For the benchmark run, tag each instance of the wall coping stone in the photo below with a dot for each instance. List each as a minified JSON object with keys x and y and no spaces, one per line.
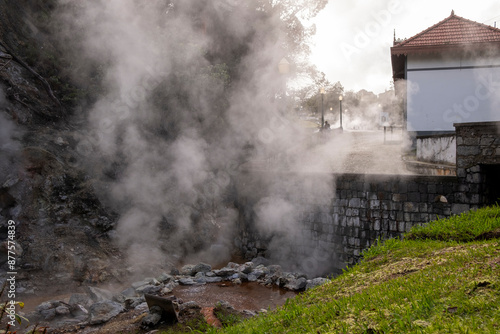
{"x":437,"y":135}
{"x":486,"y":127}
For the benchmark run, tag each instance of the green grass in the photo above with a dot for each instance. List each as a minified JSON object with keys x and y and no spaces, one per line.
{"x":444,"y":278}
{"x":465,"y":227}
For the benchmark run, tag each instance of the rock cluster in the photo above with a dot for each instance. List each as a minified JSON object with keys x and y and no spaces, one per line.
{"x":97,"y":306}
{"x":253,"y":271}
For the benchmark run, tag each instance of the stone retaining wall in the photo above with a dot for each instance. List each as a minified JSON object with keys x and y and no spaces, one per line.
{"x":368,"y":207}
{"x":363,"y":208}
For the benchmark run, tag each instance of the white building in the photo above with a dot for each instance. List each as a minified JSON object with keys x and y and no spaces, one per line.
{"x":448,"y":73}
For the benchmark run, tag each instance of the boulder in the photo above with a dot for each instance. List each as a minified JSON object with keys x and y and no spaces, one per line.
{"x":201,"y":268}
{"x":49,"y":314}
{"x":169,"y":287}
{"x":275,"y":269}
{"x":224,"y":272}
{"x":153,"y":318}
{"x":142,"y":307}
{"x":119,"y":298}
{"x":186,"y":281}
{"x":149,"y":289}
{"x":297,"y":284}
{"x":98,"y":295}
{"x":103,"y":311}
{"x":81,"y":299}
{"x":224,"y":305}
{"x":133,"y":302}
{"x":213,"y":279}
{"x":47,"y":305}
{"x":255,"y":275}
{"x":62,"y":310}
{"x":252,"y":277}
{"x":165,"y":278}
{"x":200,"y":280}
{"x":232,"y":265}
{"x":247,"y":267}
{"x":260,"y":260}
{"x":315,"y":282}
{"x":188,"y":270}
{"x":130,"y":292}
{"x":78,"y":311}
{"x":199,"y":275}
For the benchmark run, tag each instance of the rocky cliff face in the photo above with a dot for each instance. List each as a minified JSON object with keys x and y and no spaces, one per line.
{"x":61,"y":225}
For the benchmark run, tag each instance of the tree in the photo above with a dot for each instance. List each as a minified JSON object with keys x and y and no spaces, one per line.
{"x":310,"y":96}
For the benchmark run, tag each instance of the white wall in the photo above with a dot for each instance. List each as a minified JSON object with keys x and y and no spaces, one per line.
{"x":437,"y":149}
{"x":439,"y":97}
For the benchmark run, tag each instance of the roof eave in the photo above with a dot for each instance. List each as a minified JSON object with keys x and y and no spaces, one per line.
{"x":421,"y":49}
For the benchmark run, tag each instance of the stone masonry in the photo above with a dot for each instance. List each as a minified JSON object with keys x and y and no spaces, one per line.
{"x":478,"y":162}
{"x":365,"y":208}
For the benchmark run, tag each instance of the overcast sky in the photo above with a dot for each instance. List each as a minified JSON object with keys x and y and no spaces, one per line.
{"x":353,"y":37}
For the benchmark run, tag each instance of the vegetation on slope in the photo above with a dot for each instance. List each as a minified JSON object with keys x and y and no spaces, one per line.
{"x":443,"y":278}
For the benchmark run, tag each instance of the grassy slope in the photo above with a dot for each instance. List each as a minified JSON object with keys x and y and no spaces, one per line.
{"x":443,"y":278}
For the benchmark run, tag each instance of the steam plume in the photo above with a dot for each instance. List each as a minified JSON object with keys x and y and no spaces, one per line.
{"x":169,"y":126}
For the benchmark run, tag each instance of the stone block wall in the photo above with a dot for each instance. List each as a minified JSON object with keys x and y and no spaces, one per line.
{"x":368,"y":207}
{"x":363,"y":208}
{"x":478,"y":162}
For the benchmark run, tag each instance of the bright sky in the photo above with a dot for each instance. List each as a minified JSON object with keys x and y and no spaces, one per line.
{"x":353,"y":37}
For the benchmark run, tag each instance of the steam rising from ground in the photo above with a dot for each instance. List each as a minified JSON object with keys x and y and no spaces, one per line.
{"x":164,"y":139}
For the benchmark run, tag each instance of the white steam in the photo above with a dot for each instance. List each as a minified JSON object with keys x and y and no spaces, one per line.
{"x":163,"y":142}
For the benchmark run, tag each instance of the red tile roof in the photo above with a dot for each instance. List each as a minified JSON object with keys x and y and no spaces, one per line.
{"x":454,"y":30}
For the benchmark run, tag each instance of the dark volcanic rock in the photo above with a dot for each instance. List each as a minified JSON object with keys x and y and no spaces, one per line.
{"x":101,"y":312}
{"x":315,"y":282}
{"x":98,"y":295}
{"x":153,"y":318}
{"x":201,"y":268}
{"x":260,"y":260}
{"x":186,"y":281}
{"x":81,"y":299}
{"x":298,"y":284}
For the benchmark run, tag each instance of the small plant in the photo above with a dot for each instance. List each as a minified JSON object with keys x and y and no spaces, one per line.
{"x":8,"y":310}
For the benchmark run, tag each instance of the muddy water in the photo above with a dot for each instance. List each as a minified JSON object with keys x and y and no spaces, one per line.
{"x":246,"y":296}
